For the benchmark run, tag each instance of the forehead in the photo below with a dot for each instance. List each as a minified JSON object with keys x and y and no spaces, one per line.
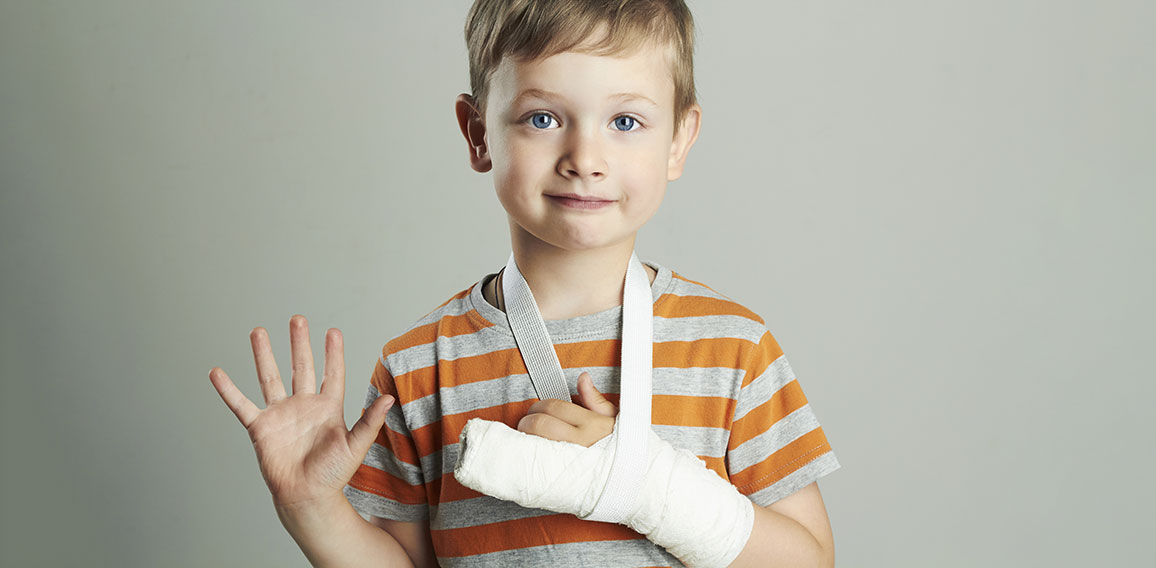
{"x":575,"y":76}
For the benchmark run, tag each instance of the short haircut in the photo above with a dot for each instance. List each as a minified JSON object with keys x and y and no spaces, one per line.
{"x":530,"y":29}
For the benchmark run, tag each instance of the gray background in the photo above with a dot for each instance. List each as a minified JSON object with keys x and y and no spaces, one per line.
{"x":942,"y":209}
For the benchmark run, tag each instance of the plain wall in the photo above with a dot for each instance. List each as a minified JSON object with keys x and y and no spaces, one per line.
{"x":944,"y":211}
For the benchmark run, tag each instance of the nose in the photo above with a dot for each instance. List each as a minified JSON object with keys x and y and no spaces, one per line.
{"x":583,"y":156}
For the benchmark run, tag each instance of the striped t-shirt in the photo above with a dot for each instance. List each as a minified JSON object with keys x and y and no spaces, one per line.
{"x":722,"y":388}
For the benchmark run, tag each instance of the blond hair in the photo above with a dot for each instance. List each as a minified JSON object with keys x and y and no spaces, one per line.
{"x":529,"y":29}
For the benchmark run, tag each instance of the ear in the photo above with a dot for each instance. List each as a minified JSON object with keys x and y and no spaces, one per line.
{"x":473,"y":128}
{"x":683,"y":140}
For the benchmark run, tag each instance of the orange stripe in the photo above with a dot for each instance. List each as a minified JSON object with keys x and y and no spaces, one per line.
{"x":683,"y":410}
{"x":400,"y":445}
{"x":525,"y":533}
{"x":382,"y":381}
{"x":447,"y":488}
{"x":378,"y":482}
{"x":717,"y":464}
{"x":789,"y":399}
{"x":706,"y":352}
{"x":692,"y":306}
{"x":782,"y":463}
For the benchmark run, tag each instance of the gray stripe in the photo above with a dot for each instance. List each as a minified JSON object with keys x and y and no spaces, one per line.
{"x":786,"y":430}
{"x":638,"y":552}
{"x":453,"y":308}
{"x":694,"y":328}
{"x":438,"y":464}
{"x":760,"y":390}
{"x":801,"y":478}
{"x":703,"y":441}
{"x":681,"y":287}
{"x":370,"y":504}
{"x":720,"y":382}
{"x":409,"y":359}
{"x":371,"y":395}
{"x":479,"y":511}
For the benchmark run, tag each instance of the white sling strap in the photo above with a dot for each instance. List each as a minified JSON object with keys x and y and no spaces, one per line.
{"x":633,"y":424}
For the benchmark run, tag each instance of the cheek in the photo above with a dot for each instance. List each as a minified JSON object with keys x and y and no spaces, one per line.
{"x":522,"y":168}
{"x":649,"y":180}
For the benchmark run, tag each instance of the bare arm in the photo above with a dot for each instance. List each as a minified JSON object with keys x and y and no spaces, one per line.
{"x":331,"y":533}
{"x":414,"y":537}
{"x":793,"y":531}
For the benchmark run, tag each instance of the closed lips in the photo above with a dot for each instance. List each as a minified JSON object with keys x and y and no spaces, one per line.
{"x":581,"y":197}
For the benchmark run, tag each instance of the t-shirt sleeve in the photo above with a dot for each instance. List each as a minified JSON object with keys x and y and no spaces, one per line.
{"x":389,"y":483}
{"x":776,"y":444}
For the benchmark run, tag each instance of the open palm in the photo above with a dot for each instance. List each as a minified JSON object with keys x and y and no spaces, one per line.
{"x":303,"y":448}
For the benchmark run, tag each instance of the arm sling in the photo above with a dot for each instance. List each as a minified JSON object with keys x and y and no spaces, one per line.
{"x":630,"y":445}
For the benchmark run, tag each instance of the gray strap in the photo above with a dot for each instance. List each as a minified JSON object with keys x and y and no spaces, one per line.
{"x":531,"y":336}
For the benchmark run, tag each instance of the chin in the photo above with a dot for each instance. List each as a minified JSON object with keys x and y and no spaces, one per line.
{"x":591,"y":242}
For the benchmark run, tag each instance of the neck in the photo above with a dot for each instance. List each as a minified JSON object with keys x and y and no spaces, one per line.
{"x":568,"y":284}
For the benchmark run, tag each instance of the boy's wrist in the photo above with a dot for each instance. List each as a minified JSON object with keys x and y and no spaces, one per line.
{"x":329,"y":512}
{"x":330,"y":532}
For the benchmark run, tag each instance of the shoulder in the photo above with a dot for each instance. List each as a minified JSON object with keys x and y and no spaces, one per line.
{"x":691,"y":300}
{"x":415,"y":347}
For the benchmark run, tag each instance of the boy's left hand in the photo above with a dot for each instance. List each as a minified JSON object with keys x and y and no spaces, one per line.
{"x":568,"y":422}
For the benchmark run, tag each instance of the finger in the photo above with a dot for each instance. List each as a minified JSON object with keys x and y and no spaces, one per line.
{"x":333,"y":384}
{"x":267,"y":373}
{"x":365,"y":431}
{"x":567,"y":412}
{"x":303,"y":378}
{"x":240,"y":404}
{"x":549,"y":426}
{"x":590,"y":397}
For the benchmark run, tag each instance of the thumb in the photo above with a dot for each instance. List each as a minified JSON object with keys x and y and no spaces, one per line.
{"x":592,"y":399}
{"x":365,"y":431}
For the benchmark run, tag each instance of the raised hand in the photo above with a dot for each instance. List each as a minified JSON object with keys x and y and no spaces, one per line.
{"x":568,"y":422}
{"x":303,"y":448}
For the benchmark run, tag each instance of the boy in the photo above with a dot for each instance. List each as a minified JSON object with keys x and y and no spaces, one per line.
{"x":583,"y":110}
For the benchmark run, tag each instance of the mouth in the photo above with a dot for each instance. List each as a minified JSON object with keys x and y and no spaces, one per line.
{"x":575,"y":201}
{"x":580,"y":197}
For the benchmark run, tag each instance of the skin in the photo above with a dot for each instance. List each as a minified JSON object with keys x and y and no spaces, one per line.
{"x":304,"y":451}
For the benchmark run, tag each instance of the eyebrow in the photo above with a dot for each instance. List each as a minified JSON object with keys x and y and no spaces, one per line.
{"x":547,"y":95}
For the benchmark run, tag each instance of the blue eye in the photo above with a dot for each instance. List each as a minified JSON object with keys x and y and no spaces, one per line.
{"x":540,"y":124}
{"x":628,"y":124}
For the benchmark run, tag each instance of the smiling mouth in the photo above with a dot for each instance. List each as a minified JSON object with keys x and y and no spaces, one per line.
{"x":577,"y":197}
{"x":580,"y":202}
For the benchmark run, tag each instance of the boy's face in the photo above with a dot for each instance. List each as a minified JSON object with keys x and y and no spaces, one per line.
{"x":577,"y":136}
